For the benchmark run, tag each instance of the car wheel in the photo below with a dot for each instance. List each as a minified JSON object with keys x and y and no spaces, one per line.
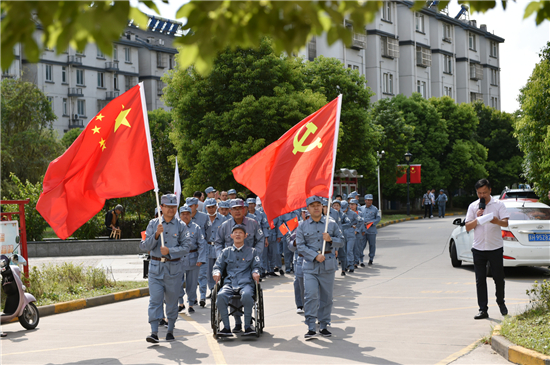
{"x":489,"y":270}
{"x":454,"y":257}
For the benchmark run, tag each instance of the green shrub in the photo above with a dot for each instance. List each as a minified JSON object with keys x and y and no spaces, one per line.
{"x":539,"y":296}
{"x":462,"y":202}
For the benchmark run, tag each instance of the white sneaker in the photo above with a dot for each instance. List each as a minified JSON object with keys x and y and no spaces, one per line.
{"x":300,"y":310}
{"x":431,"y":216}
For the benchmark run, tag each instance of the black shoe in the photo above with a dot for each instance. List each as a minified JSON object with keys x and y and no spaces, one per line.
{"x":370,"y":262}
{"x":225,"y":333}
{"x":170,"y":336}
{"x":202,"y":303}
{"x":325,"y":333}
{"x":272,"y":273}
{"x":343,"y":273}
{"x":181,"y":307}
{"x":481,"y":315}
{"x":503,"y":309}
{"x":355,"y":265}
{"x":238,"y":328}
{"x":351,"y":271}
{"x":263,"y":275}
{"x":190,"y":310}
{"x":195,"y":303}
{"x":362,"y":265}
{"x":209,"y":296}
{"x":153,"y":338}
{"x":310,"y":334}
{"x":282,"y":272}
{"x":249,"y":331}
{"x":162,"y":322}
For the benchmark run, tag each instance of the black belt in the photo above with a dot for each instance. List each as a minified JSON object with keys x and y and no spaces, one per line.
{"x":210,"y":243}
{"x":326,"y":252}
{"x":300,"y":255}
{"x":163,"y":259}
{"x":195,"y":250}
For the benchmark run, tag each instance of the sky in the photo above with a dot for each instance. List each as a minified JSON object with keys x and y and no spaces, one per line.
{"x":518,"y":54}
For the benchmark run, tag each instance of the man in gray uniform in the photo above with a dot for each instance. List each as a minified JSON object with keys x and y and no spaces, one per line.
{"x":260,"y":217}
{"x":349,"y":227}
{"x":223,"y":209}
{"x":231,"y":194}
{"x":193,"y":261}
{"x":298,"y":270}
{"x":371,"y":217}
{"x":319,"y":267}
{"x":241,"y":263}
{"x":201,"y":219}
{"x":165,"y":268}
{"x":210,"y":193}
{"x":341,"y":219}
{"x":215,"y":220}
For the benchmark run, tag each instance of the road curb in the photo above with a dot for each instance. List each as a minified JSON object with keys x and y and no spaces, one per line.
{"x":411,"y":219}
{"x":515,"y":353}
{"x":48,"y":310}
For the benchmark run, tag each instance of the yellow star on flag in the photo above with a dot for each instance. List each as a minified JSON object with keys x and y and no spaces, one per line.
{"x":121,"y":119}
{"x":102,"y":144}
{"x":96,"y":129}
{"x":100,"y":116}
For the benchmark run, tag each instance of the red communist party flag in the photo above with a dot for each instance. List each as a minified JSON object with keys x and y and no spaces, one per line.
{"x":296,"y":166}
{"x":292,"y":224}
{"x":415,"y":174}
{"x":112,"y":158}
{"x":402,"y":174}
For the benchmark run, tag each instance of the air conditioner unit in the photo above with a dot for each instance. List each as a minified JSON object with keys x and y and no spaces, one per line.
{"x":75,"y":117}
{"x":161,"y":42}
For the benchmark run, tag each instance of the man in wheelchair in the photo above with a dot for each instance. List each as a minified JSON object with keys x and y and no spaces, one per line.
{"x":242,"y":265}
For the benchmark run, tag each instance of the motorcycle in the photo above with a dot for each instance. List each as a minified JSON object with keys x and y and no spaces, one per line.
{"x":19,"y":303}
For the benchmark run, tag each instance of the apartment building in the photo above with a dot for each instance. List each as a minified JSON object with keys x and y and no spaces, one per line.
{"x":424,"y":51}
{"x":80,"y":84}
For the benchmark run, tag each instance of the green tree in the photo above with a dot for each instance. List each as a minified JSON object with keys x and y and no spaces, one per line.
{"x":214,"y":25}
{"x":496,"y":133}
{"x":248,"y":101}
{"x":532,"y":129}
{"x":28,"y":140}
{"x":164,"y":152}
{"x":69,"y":137}
{"x":358,"y":135}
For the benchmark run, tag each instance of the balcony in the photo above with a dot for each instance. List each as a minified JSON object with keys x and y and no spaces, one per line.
{"x":74,"y":60}
{"x":111,"y":66}
{"x":476,"y":71}
{"x":75,"y":92}
{"x":110,"y":95}
{"x":359,"y":41}
{"x":76,"y":123}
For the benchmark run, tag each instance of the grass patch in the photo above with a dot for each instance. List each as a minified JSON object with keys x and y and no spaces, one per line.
{"x":531,"y":329}
{"x":387,"y":217}
{"x":61,"y":283}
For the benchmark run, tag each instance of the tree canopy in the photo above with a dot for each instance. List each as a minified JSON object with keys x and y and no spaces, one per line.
{"x":213,"y":25}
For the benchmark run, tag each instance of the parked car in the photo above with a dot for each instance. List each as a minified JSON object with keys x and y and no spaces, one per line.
{"x":521,"y":194}
{"x":526,"y":239}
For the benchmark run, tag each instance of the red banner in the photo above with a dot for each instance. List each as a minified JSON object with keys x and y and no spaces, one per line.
{"x":415,"y":174}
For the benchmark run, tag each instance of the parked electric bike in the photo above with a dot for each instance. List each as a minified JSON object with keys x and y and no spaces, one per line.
{"x":19,"y":304}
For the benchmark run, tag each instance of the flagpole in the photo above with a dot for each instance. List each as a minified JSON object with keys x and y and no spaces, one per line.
{"x":158,"y":207}
{"x":337,"y":127}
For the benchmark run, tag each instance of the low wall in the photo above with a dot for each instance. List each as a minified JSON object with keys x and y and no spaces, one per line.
{"x":99,"y":247}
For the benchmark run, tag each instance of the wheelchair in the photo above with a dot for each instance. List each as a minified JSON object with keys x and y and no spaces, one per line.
{"x":236,"y":307}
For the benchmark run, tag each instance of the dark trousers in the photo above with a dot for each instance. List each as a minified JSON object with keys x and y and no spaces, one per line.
{"x":427,"y":210}
{"x":497,"y":268}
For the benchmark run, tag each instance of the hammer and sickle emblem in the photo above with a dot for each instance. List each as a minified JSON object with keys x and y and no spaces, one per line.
{"x":299,"y":143}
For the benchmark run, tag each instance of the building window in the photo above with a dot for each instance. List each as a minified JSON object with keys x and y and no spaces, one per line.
{"x":476,"y":71}
{"x":475,"y":96}
{"x":472,"y":41}
{"x":81,"y":107}
{"x":423,"y":56}
{"x":64,"y":74}
{"x":128,"y":82}
{"x":171,"y":59}
{"x":447,"y":33}
{"x":389,"y":47}
{"x":494,"y":103}
{"x":160,"y":86}
{"x":494,"y":77}
{"x":100,"y":79}
{"x":388,"y":83}
{"x":127,"y":54}
{"x":50,"y":100}
{"x":448,"y":91}
{"x":386,"y":11}
{"x":161,"y":62}
{"x":49,"y":73}
{"x":448,"y":66}
{"x":419,"y":22}
{"x":356,"y":67}
{"x":494,"y":49}
{"x":81,"y":53}
{"x":421,"y":87}
{"x":115,"y":54}
{"x":80,"y":77}
{"x":100,"y":54}
{"x":115,"y":82}
{"x":65,"y":110}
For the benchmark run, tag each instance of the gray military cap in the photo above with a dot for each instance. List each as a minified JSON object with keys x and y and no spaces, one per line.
{"x":223,"y":204}
{"x":250,"y":201}
{"x":354,"y":201}
{"x":210,"y":202}
{"x":191,"y":201}
{"x":239,"y":226}
{"x":232,"y":191}
{"x":344,"y":204}
{"x":209,"y":190}
{"x":352,"y":195}
{"x":185,"y":208}
{"x":169,"y":199}
{"x":337,"y":202}
{"x":313,"y":199}
{"x":368,"y":196}
{"x":236,"y":203}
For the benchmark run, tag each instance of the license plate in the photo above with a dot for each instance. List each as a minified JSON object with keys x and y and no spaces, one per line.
{"x":539,"y":237}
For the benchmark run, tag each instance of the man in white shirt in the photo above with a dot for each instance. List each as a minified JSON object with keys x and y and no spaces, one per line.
{"x":488,"y":245}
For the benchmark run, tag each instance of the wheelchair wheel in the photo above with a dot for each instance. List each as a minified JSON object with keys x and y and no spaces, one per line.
{"x":257,"y":326}
{"x":214,"y":314}
{"x":261,"y":310}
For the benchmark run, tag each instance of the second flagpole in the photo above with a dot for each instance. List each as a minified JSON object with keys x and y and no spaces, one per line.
{"x":158,"y":207}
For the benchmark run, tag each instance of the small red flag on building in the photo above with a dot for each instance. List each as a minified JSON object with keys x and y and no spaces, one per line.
{"x":292,"y":224}
{"x":112,"y":158}
{"x":298,"y":165}
{"x":402,"y":174}
{"x":283,"y":229}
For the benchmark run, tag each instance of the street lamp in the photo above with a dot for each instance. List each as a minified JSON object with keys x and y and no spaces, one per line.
{"x":379,"y":155}
{"x":408,"y":158}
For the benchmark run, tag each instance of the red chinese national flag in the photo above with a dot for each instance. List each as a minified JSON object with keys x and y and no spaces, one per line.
{"x":415,"y":174}
{"x":402,"y":174}
{"x":111,"y":158}
{"x":296,"y":166}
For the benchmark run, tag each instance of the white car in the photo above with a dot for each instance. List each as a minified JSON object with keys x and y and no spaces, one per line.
{"x":526,"y":239}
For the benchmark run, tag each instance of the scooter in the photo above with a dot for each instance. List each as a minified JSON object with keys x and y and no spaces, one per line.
{"x":19,"y":304}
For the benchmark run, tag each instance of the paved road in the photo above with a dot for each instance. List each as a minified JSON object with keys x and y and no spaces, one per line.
{"x":411,"y":307}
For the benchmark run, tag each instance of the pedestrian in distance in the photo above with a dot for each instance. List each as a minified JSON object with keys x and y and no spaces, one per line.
{"x":371,"y":217}
{"x":112,"y":221}
{"x":165,"y":268}
{"x":319,"y":266}
{"x":210,"y":193}
{"x":488,"y":245}
{"x":441,"y":201}
{"x":427,"y":204}
{"x":231,"y":194}
{"x":214,"y":222}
